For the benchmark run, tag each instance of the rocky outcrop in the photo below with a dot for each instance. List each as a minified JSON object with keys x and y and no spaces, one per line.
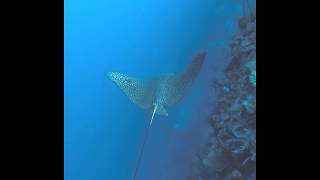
{"x":231,"y":152}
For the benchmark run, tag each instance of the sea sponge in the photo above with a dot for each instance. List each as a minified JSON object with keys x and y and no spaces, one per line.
{"x":239,"y":131}
{"x":250,"y":104}
{"x":236,"y":174}
{"x":236,"y":146}
{"x":251,"y":66}
{"x":252,"y":78}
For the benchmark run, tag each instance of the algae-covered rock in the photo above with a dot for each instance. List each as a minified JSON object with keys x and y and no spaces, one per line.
{"x":232,"y":154}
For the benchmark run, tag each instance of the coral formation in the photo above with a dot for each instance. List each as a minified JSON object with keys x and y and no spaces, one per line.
{"x":231,"y":152}
{"x":251,"y":66}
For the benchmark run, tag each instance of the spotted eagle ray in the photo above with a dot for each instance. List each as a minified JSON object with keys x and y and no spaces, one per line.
{"x":159,"y":93}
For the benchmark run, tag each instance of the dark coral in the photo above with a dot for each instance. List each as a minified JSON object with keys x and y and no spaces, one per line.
{"x":231,"y":152}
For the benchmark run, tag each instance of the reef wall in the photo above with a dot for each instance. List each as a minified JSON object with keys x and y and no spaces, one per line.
{"x":231,"y":151}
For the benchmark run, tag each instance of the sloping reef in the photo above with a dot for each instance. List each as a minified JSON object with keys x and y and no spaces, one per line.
{"x":231,"y":152}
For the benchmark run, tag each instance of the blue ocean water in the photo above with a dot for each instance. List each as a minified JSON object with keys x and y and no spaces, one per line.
{"x":144,"y":38}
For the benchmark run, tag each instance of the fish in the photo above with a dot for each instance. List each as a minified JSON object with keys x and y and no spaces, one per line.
{"x":157,"y":94}
{"x":161,"y":92}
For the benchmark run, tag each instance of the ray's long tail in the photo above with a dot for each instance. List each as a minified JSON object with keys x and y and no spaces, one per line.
{"x":143,"y":145}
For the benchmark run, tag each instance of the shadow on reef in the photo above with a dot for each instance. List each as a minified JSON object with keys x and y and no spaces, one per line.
{"x":231,"y":151}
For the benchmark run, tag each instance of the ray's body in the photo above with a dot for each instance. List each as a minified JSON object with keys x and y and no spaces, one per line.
{"x":157,"y":94}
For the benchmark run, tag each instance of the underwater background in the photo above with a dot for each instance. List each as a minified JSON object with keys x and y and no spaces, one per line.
{"x":104,"y":131}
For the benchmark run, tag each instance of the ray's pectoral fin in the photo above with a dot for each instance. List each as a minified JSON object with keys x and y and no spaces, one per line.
{"x":185,"y":80}
{"x":136,"y":90}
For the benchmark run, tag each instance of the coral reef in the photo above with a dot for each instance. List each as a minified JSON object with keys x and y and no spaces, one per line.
{"x":231,"y":152}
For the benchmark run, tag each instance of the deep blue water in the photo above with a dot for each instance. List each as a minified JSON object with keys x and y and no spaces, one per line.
{"x":143,"y":38}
